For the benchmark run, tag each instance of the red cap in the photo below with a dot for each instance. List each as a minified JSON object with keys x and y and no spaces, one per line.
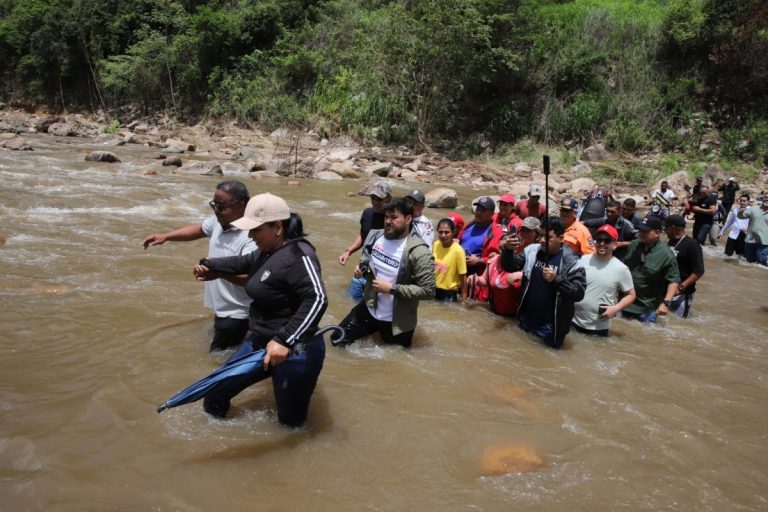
{"x":457,"y":219}
{"x":609,"y":230}
{"x":507,"y":198}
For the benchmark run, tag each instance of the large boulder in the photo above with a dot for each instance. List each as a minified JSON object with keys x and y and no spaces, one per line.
{"x":580,"y":187}
{"x":441,"y":197}
{"x":328,"y":176}
{"x":102,"y":156}
{"x":714,"y":176}
{"x":345,"y":169}
{"x":414,"y":166}
{"x":184,"y":146}
{"x":581,"y":170}
{"x":43,"y":124}
{"x":341,"y":153}
{"x":110,"y":139}
{"x":61,"y":130}
{"x":16,"y":144}
{"x":172,"y":161}
{"x":251,"y":153}
{"x":595,"y":153}
{"x":379,"y":169}
{"x":676,"y":181}
{"x":201,"y":168}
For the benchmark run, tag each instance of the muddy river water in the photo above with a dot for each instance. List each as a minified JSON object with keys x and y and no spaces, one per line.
{"x":95,"y":332}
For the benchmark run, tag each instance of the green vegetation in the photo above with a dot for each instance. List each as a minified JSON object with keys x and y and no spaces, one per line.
{"x":640,"y":74}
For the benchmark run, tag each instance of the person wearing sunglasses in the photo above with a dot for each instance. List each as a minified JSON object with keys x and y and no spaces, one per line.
{"x":654,"y":273}
{"x":226,"y":297}
{"x":609,"y":286}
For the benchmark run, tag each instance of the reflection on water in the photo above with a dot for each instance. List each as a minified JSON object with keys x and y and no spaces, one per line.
{"x":96,"y":332}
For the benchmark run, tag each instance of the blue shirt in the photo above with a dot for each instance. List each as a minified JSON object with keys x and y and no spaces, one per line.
{"x":473,"y":239}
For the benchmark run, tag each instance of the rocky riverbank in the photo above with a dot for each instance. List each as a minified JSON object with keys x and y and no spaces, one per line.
{"x":226,"y":149}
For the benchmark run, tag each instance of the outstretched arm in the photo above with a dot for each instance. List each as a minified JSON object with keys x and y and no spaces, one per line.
{"x":183,"y":234}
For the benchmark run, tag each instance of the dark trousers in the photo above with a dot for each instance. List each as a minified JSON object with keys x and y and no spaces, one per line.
{"x":293,"y":382}
{"x":701,"y":230}
{"x":359,"y":323}
{"x":228,"y":332}
{"x":736,"y":245}
{"x":442,"y":295}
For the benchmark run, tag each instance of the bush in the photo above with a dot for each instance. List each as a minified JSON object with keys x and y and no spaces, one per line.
{"x":625,"y":134}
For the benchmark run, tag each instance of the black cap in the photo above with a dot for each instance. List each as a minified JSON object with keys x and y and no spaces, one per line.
{"x":569,"y":203}
{"x":649,"y":223}
{"x":416,"y":195}
{"x":485,"y":202}
{"x":676,"y":220}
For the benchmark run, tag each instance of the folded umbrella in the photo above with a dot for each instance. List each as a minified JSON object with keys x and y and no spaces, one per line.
{"x":250,"y":363}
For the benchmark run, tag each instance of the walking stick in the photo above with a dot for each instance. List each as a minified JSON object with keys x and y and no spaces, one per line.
{"x":546,"y":203}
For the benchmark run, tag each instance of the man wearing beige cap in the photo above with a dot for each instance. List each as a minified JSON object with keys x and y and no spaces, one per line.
{"x":531,"y":207}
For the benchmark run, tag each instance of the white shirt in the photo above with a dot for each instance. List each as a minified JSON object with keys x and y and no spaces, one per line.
{"x":734,"y":225}
{"x":227,"y":300}
{"x":386,"y":258}
{"x":605,"y":279}
{"x":668,"y":195}
{"x":424,"y":228}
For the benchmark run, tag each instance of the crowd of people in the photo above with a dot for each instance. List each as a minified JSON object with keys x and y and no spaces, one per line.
{"x":596,"y":260}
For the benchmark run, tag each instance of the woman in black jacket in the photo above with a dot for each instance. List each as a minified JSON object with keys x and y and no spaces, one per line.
{"x":289,"y":300}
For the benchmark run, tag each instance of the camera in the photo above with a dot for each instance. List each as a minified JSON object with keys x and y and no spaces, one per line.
{"x":365,"y":269}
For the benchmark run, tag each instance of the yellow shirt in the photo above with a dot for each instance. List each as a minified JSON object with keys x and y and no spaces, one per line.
{"x":450,"y":265}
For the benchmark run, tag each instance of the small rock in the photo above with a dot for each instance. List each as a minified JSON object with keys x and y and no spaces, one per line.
{"x":293,"y":183}
{"x":321,"y":165}
{"x":258,"y":175}
{"x":250,"y":153}
{"x":133,"y":124}
{"x":102,"y":156}
{"x":110,"y":139}
{"x":147,"y":171}
{"x":157,"y":156}
{"x":255,"y":165}
{"x":172,"y":149}
{"x":139,"y":128}
{"x":172,"y":160}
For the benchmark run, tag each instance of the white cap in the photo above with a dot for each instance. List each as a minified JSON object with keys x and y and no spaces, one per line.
{"x":261,"y":209}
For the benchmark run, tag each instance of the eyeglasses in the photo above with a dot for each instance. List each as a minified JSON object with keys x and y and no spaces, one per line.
{"x":220,"y":207}
{"x":603,"y":241}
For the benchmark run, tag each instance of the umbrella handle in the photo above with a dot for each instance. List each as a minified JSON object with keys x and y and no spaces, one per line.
{"x":161,"y":408}
{"x":337,"y":328}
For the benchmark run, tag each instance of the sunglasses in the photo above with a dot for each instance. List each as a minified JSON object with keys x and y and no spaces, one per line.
{"x":220,"y":207}
{"x":603,"y":241}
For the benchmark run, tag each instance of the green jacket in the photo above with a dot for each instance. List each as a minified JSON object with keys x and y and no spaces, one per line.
{"x":415,"y":280}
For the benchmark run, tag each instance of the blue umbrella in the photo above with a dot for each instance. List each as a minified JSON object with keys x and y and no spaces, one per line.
{"x":250,"y":363}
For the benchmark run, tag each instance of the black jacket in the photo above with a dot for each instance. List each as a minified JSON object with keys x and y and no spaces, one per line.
{"x":288,"y":293}
{"x":571,"y":282}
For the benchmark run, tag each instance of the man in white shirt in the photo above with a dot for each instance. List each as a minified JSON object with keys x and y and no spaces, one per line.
{"x":399,"y":272}
{"x":422,"y":226}
{"x":607,"y":279}
{"x":664,"y":196}
{"x":226,"y":296}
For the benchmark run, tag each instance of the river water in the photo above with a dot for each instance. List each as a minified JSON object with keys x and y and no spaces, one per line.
{"x":95,"y":332}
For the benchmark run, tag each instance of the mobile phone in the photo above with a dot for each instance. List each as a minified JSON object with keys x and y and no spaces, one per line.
{"x":601,"y":309}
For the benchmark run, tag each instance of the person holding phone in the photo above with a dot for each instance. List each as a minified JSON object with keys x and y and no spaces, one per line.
{"x":609,"y":286}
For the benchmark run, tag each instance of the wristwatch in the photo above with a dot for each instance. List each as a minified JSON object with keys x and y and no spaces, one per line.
{"x":667,"y":302}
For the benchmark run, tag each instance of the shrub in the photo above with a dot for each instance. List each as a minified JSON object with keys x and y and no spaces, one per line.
{"x":625,"y":134}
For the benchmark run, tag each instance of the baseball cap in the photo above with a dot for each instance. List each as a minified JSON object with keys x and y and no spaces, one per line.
{"x":416,"y":195}
{"x":507,"y":198}
{"x":731,"y":179}
{"x":485,"y":202}
{"x":261,"y":209}
{"x":609,"y":230}
{"x":569,"y":203}
{"x":676,"y":220}
{"x":380,"y":189}
{"x":457,"y":219}
{"x":650,"y":223}
{"x":531,"y":223}
{"x":534,"y":190}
